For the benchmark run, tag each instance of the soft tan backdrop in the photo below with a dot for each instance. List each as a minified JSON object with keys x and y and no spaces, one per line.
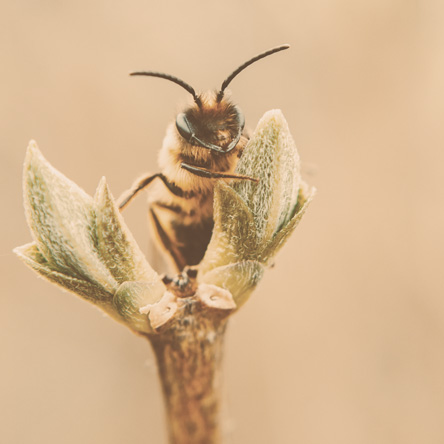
{"x":344,"y":340}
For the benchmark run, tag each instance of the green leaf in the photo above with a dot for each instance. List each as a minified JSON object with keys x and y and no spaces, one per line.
{"x":61,"y":218}
{"x":90,"y":291}
{"x":234,"y":235}
{"x":131,"y":296}
{"x":253,"y":220}
{"x":240,"y":279}
{"x":275,"y":244}
{"x":115,"y":243}
{"x":270,"y":156}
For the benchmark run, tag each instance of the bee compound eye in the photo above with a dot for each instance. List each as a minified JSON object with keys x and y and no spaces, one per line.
{"x":240,"y":118}
{"x":183,"y":126}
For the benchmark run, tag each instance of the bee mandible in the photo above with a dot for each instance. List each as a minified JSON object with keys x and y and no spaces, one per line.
{"x":203,"y":144}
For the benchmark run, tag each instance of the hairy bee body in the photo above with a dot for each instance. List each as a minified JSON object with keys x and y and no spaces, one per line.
{"x":181,"y":210}
{"x":203,"y":145}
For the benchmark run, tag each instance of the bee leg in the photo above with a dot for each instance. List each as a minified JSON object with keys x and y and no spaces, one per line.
{"x":139,"y":185}
{"x":203,"y":172}
{"x":166,"y":279}
{"x":166,"y":241}
{"x":191,"y":271}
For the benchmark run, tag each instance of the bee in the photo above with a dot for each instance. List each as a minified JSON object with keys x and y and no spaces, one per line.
{"x":202,"y":145}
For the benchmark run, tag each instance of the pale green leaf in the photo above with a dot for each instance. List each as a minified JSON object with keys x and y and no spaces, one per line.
{"x":61,"y":218}
{"x":239,"y":279}
{"x":234,"y":235}
{"x":115,"y":243}
{"x":274,"y":245}
{"x":90,"y":291}
{"x":271,"y":157}
{"x":133,"y":295}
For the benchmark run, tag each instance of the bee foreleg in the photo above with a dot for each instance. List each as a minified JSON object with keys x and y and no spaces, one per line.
{"x":167,"y":242}
{"x":203,"y":172}
{"x":128,"y":195}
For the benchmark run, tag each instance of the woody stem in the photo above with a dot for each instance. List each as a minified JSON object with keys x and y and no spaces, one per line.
{"x":189,"y":357}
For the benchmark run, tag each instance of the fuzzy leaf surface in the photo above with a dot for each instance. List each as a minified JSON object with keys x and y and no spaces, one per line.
{"x":270,"y":156}
{"x":62,"y":218}
{"x":90,"y":291}
{"x":115,"y":243}
{"x":131,"y":296}
{"x":240,"y":279}
{"x":234,"y":234}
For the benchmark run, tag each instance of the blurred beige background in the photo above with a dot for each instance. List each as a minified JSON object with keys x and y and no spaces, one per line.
{"x":343,"y":342}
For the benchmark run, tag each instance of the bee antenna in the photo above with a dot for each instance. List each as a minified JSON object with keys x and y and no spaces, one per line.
{"x":246,"y":64}
{"x":173,"y":79}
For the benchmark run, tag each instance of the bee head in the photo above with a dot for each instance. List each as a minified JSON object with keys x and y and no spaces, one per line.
{"x":212,"y":122}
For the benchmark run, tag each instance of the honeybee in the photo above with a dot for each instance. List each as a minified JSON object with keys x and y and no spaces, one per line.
{"x":202,"y":145}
